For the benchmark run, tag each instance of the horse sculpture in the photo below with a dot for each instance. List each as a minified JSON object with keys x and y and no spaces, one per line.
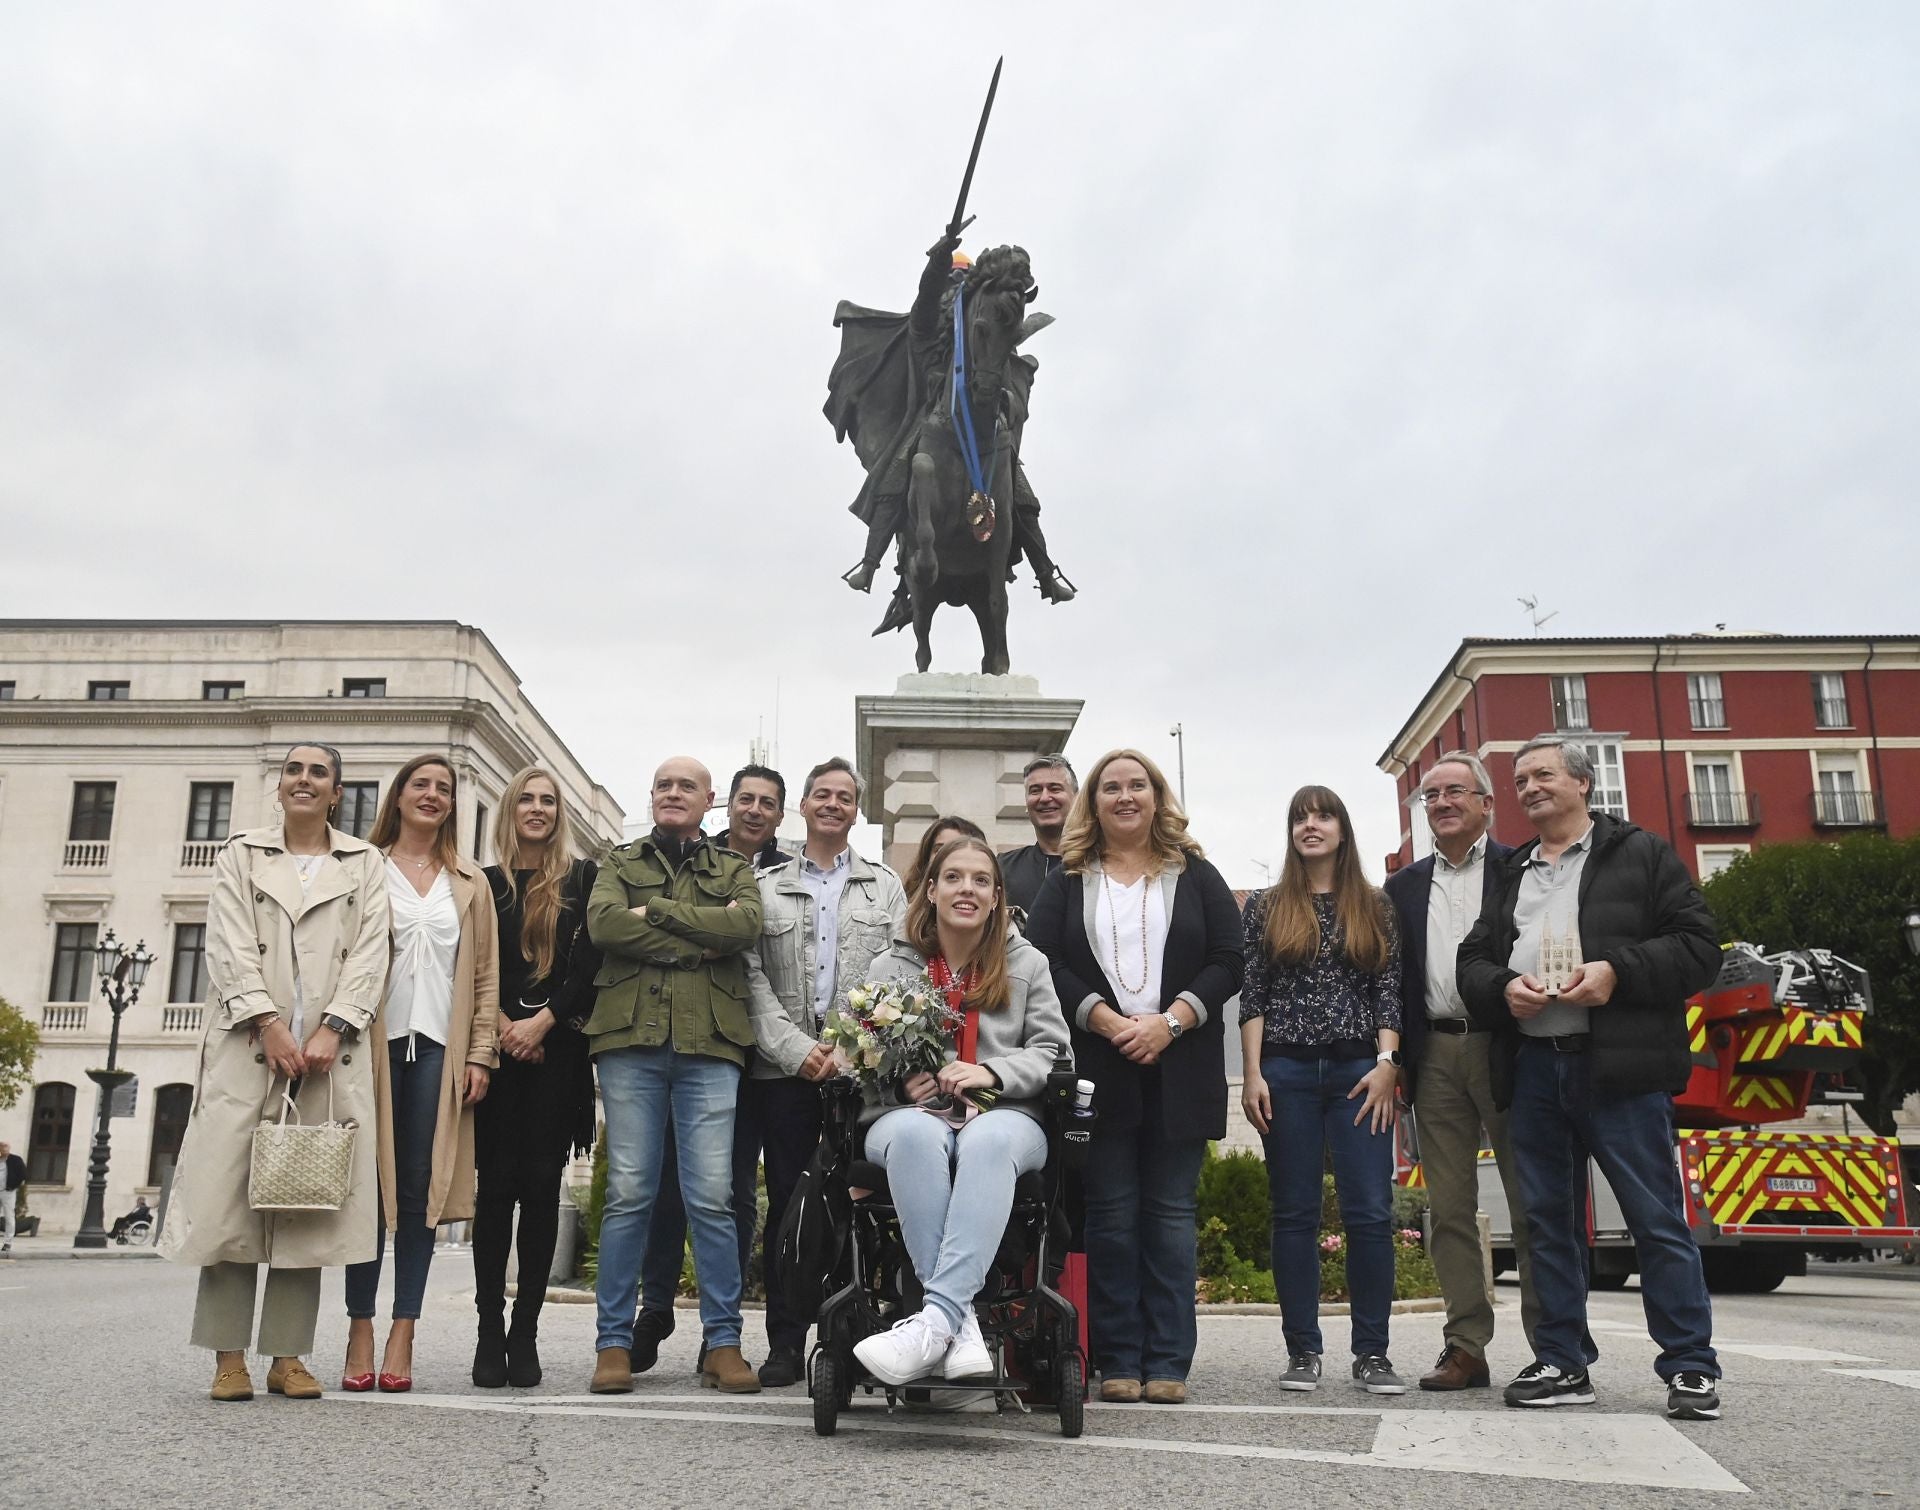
{"x":935,"y":402}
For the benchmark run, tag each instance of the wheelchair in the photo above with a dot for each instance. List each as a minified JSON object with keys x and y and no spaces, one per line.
{"x":1032,"y":1331}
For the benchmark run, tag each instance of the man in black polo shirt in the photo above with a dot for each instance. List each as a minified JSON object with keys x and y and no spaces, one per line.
{"x":1050,"y":786}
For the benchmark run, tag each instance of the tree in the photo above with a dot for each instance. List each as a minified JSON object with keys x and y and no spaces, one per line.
{"x":1849,"y":897}
{"x":19,"y":1042}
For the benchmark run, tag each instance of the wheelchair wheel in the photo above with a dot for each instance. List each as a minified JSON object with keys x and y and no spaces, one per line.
{"x":1070,"y":1380}
{"x":829,"y":1372}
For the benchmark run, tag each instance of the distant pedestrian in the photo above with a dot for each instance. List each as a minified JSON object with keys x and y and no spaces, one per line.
{"x":1582,"y":961}
{"x":1049,"y":785}
{"x":1320,"y":1058}
{"x":438,"y":1025}
{"x":1144,"y":940}
{"x":296,"y":958}
{"x":1447,"y":1077}
{"x":943,"y":831}
{"x":13,"y":1175}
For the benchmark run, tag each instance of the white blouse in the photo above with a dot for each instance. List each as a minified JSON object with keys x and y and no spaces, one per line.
{"x":1130,"y":929}
{"x":426,"y":937}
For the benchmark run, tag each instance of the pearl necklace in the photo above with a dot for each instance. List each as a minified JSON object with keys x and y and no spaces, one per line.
{"x":1146,"y":965}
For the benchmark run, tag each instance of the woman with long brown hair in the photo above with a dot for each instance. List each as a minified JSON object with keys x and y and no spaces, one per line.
{"x":1144,"y":939}
{"x":438,"y":1029}
{"x":539,"y":1107}
{"x":1320,"y":1049}
{"x":952,"y":1172}
{"x":944,"y":831}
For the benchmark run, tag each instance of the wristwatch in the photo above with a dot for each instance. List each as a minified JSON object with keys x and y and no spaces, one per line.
{"x":1175,"y":1027}
{"x":1389,"y":1056}
{"x":347,"y":1031}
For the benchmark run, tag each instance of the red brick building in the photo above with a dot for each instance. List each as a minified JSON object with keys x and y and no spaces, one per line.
{"x":1718,"y":742}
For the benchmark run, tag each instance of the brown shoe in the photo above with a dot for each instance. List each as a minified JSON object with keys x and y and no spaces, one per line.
{"x":291,"y":1378}
{"x":726,"y":1371}
{"x":1120,"y":1391}
{"x":612,"y":1372}
{"x":1456,"y":1369}
{"x":1166,"y":1392}
{"x":232,"y":1383}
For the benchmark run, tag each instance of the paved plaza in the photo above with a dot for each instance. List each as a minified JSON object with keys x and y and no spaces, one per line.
{"x":105,"y":1404}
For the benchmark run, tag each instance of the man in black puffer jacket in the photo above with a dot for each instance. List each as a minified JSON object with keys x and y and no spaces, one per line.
{"x":1591,"y":940}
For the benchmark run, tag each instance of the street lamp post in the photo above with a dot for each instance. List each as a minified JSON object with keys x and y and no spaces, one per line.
{"x":1910,"y":926}
{"x":1179,"y":733}
{"x":122,"y":969}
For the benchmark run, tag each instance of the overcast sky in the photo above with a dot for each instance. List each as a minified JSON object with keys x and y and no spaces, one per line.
{"x":1370,"y":319}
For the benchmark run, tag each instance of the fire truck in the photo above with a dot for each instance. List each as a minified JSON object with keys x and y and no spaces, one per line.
{"x":1763,"y":1186}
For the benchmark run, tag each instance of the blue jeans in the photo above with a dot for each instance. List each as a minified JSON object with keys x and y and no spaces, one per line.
{"x":1555,"y":1123}
{"x":1141,"y":1195}
{"x":954,"y":1192}
{"x":667,"y":1229}
{"x":415,"y":1089}
{"x":1312,"y":1117}
{"x":644,"y":1092}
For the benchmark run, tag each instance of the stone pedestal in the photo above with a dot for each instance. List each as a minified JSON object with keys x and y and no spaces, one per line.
{"x":944,"y":742}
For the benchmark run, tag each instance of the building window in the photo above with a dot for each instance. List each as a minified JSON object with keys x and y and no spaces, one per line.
{"x":92,"y":818}
{"x":209,"y":810}
{"x":51,"y":1134}
{"x":109,"y":692}
{"x":359,"y":801}
{"x":1714,"y":799}
{"x":1714,"y":858}
{"x":1705,"y":701}
{"x":187,"y":981}
{"x":222,"y":692}
{"x":364,"y":686}
{"x":172,"y":1105}
{"x":1840,"y":798}
{"x":1570,"y":703}
{"x":6,"y":692}
{"x":73,"y":962}
{"x":1830,"y":701}
{"x":480,"y":832}
{"x":1609,"y":793}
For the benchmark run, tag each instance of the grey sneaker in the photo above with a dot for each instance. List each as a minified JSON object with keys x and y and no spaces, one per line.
{"x":1303,"y":1371}
{"x":1374,"y":1373}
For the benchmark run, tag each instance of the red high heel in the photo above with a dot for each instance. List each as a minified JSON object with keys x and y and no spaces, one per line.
{"x":356,"y":1384}
{"x":395,"y":1384}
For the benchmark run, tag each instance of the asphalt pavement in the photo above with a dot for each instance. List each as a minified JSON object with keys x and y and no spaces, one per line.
{"x":103,"y":1403}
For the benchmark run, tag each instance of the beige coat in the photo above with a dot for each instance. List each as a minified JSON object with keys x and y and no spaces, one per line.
{"x":473,"y":1027}
{"x":258,"y":925}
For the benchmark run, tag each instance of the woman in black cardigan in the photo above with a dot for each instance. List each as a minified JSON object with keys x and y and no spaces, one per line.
{"x":1145,"y":943}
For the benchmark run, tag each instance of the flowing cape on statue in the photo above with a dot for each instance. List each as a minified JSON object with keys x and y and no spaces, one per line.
{"x":876,"y":397}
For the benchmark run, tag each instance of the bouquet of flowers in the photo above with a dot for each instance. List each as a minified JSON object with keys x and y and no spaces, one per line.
{"x":889,"y":1031}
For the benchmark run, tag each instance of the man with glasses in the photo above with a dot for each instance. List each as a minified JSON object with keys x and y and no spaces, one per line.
{"x":1447,"y":1074}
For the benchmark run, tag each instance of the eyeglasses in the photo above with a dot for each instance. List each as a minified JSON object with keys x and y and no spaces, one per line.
{"x":1451,"y":793}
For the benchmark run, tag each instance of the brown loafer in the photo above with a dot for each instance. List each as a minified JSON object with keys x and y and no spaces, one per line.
{"x":292,"y":1379}
{"x":1456,"y":1369}
{"x":1120,"y":1391}
{"x":728,"y":1372}
{"x":232,"y":1383}
{"x":1165,"y":1392}
{"x":612,"y":1371}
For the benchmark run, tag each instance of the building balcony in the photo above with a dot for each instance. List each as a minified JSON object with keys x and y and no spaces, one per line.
{"x":199,"y":854}
{"x":180,"y":1019}
{"x":1723,"y":810}
{"x":1846,"y":810}
{"x":87,"y":854}
{"x":63,"y":1017}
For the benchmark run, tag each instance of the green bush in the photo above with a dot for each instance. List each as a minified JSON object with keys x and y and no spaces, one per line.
{"x":1233,"y":1190}
{"x":1224,"y":1275}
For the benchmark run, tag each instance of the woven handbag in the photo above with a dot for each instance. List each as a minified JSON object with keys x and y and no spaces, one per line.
{"x":301,"y":1166}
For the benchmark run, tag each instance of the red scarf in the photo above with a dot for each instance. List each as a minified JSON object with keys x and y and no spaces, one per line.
{"x":941,"y":974}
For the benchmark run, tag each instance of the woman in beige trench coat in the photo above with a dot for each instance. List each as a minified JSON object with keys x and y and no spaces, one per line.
{"x":296,"y":960}
{"x":435,"y":1040}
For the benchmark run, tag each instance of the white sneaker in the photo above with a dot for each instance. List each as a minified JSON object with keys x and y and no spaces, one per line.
{"x":967,"y":1355}
{"x":906,"y":1351}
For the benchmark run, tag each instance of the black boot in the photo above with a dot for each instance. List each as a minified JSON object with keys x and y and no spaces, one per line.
{"x":523,"y":1348}
{"x":490,"y":1353}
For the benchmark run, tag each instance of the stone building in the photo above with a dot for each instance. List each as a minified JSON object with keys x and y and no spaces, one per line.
{"x":129,"y":751}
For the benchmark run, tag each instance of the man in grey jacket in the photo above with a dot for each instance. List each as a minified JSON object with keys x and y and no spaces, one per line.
{"x":827,"y":915}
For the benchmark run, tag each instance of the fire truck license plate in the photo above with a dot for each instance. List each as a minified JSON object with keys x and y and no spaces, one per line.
{"x":1781,"y":1184}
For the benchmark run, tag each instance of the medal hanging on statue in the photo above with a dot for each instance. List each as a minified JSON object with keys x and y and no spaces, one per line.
{"x":980,"y":510}
{"x":980,"y":517}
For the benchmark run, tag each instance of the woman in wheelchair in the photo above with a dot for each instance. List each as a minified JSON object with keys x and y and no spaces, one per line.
{"x":952,"y":1181}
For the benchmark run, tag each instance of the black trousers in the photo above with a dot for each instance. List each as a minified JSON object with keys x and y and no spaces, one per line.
{"x":530,"y":1181}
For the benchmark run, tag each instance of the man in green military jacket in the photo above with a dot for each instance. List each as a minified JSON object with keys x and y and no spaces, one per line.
{"x":673,"y":914}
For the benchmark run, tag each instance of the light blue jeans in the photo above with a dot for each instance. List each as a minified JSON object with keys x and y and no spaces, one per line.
{"x":644,"y":1091}
{"x":954,"y":1192}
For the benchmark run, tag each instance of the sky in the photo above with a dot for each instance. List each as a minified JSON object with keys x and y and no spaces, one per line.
{"x":1370,"y":320}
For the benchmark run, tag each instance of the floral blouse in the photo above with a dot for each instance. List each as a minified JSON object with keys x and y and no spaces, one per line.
{"x":1325,"y":1001}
